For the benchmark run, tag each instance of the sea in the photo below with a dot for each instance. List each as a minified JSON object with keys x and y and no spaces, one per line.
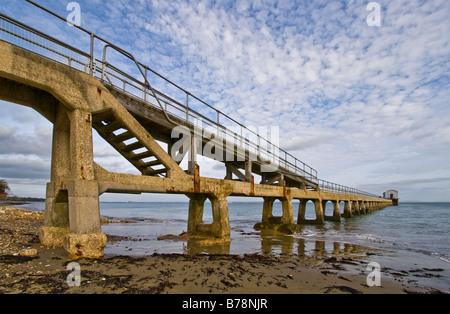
{"x":411,"y":235}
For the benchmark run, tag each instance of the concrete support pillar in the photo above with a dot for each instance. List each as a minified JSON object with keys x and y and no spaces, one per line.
{"x":56,"y":218}
{"x":336,"y":211}
{"x":72,"y":213}
{"x":301,"y":211}
{"x":324,"y":207}
{"x":220,"y":227}
{"x":85,"y":239}
{"x":288,"y":213}
{"x":320,"y":217}
{"x":196,"y":206}
{"x":268,"y":209}
{"x":347,"y":210}
{"x":221,"y":222}
{"x":355,"y":208}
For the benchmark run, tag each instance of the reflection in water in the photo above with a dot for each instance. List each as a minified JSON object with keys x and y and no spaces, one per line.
{"x":199,"y":246}
{"x":291,"y":245}
{"x":274,"y":243}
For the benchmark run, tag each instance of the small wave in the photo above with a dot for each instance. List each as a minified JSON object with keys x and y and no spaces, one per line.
{"x":140,"y":219}
{"x":155,"y":220}
{"x":307,"y":234}
{"x":371,"y":238}
{"x":442,"y":258}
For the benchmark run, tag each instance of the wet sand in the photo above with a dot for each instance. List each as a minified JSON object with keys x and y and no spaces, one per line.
{"x":46,"y":271}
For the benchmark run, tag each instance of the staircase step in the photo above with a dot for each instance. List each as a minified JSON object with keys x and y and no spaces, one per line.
{"x":111,"y":127}
{"x":152,"y":172}
{"x":131,"y":147}
{"x":143,"y":155}
{"x":122,"y":137}
{"x":151,"y":164}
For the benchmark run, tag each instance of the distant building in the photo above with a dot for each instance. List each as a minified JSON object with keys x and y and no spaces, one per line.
{"x":393,"y":195}
{"x":3,"y":196}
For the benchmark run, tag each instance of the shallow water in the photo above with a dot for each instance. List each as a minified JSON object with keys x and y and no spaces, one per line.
{"x":411,"y":236}
{"x":417,"y":227}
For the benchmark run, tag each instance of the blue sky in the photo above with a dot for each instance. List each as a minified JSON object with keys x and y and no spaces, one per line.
{"x":366,"y":106}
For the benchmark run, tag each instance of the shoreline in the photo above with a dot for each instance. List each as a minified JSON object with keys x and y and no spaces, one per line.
{"x":46,"y":271}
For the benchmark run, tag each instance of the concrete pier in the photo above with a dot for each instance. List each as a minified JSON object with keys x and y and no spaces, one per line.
{"x":77,"y":102}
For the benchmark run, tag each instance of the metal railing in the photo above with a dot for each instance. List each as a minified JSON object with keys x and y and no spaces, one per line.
{"x":264,"y":151}
{"x":330,"y":187}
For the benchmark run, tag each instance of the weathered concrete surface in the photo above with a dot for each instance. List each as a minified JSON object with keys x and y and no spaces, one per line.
{"x":70,"y":100}
{"x":53,"y":237}
{"x":85,"y":245}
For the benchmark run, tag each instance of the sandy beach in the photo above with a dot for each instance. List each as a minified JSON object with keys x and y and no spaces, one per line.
{"x":27,"y":267}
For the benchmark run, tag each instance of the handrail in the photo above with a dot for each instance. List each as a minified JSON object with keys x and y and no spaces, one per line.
{"x":130,"y":56}
{"x":326,"y":186}
{"x":291,"y":164}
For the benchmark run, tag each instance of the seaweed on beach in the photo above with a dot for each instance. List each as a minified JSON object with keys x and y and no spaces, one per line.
{"x":12,"y":259}
{"x":344,"y":289}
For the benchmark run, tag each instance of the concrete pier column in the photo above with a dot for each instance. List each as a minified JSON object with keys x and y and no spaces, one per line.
{"x":363,"y":207}
{"x":268,"y":209}
{"x":336,"y":211}
{"x":324,"y":208}
{"x":220,"y":227}
{"x":301,"y":211}
{"x":196,"y":207}
{"x":286,"y":205}
{"x":85,"y":239}
{"x":288,"y":213}
{"x":56,"y":217}
{"x":221,"y":222}
{"x":355,"y":208}
{"x":347,"y":210}
{"x":320,"y":217}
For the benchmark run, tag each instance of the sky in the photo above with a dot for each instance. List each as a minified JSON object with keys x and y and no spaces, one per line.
{"x":366,"y":106}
